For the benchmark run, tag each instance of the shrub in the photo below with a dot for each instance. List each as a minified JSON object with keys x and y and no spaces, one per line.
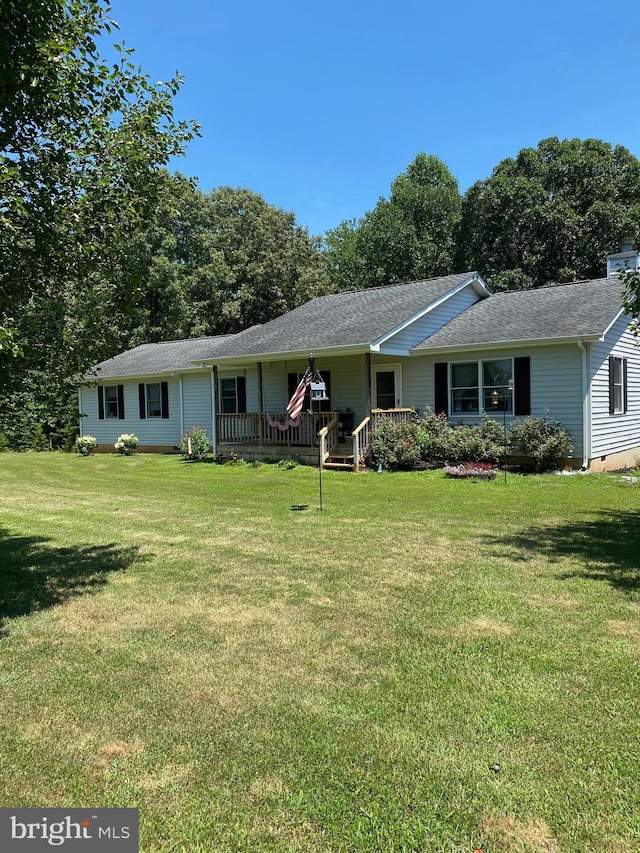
{"x":194,"y":444}
{"x":85,"y":444}
{"x":4,"y":442}
{"x":433,"y":436}
{"x":395,"y":446}
{"x":438,"y":441}
{"x":545,"y":441}
{"x":236,"y":460}
{"x":288,"y":464}
{"x":126,"y":444}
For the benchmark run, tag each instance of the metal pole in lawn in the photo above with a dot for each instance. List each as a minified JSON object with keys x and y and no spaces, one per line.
{"x":504,"y":422}
{"x":319,"y":456}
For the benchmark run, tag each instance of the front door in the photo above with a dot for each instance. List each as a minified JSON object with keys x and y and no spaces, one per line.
{"x":387,"y":386}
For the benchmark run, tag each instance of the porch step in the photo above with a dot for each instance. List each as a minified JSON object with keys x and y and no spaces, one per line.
{"x":340,"y":460}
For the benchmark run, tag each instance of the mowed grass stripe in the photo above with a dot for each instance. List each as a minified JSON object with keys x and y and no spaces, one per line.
{"x":427,"y":665}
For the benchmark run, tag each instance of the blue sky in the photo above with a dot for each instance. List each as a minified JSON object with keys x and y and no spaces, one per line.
{"x":319,"y":106}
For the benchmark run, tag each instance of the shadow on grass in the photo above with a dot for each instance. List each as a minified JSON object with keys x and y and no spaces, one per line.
{"x":605,"y":546}
{"x":34,"y":576}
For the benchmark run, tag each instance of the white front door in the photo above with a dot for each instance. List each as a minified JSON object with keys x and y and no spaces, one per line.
{"x":386,"y":386}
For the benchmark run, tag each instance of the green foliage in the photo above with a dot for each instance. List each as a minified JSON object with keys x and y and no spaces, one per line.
{"x":441,"y":442}
{"x":543,"y":440}
{"x":82,"y":140}
{"x":85,"y":444}
{"x":39,"y":440}
{"x":194,"y":444}
{"x":395,"y":446}
{"x":552,"y":214}
{"x":631,"y":297}
{"x":4,"y":444}
{"x":409,"y":236}
{"x":126,"y":444}
{"x":235,"y":460}
{"x":287,"y":464}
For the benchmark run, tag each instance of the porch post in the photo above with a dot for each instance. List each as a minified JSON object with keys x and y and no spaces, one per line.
{"x":367,"y":360}
{"x":260,"y":406}
{"x":214,"y":409}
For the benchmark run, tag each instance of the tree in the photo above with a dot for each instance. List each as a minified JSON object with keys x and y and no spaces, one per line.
{"x":410,"y":235}
{"x":631,"y":297}
{"x":271,"y":264}
{"x":82,"y":141}
{"x":551,"y":214}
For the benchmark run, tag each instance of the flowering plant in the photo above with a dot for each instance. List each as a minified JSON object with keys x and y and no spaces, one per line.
{"x":126,"y":444}
{"x":85,"y":444}
{"x":477,"y":470}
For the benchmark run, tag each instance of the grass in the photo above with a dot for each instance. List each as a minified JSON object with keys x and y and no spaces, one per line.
{"x":427,"y":665}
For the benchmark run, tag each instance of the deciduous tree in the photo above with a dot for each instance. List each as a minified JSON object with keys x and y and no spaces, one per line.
{"x":551,"y":214}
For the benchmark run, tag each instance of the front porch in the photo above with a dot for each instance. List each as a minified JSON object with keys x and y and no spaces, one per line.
{"x":328,"y":438}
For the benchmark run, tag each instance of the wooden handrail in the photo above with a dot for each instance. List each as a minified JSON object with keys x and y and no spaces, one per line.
{"x":360,"y":447}
{"x":328,"y":438}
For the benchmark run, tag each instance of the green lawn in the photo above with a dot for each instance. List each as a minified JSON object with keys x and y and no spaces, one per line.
{"x":427,"y":665}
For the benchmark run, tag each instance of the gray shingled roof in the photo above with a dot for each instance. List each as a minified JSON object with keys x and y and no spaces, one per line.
{"x":581,"y":309}
{"x":341,"y":320}
{"x":151,"y":359}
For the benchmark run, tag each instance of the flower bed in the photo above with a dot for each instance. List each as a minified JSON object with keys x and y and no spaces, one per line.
{"x":471,"y":470}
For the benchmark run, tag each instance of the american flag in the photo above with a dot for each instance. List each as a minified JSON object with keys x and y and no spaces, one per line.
{"x":296,"y":402}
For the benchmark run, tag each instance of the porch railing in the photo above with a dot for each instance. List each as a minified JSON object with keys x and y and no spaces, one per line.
{"x":362,"y":433}
{"x":254,"y":428}
{"x":398,"y":416}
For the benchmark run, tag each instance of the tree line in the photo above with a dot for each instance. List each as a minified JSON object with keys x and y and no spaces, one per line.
{"x":101,"y":248}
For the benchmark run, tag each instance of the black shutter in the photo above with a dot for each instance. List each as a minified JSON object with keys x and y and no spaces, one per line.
{"x":241,"y":392}
{"x":292,"y":384}
{"x":612,"y":385}
{"x":142,"y":401}
{"x":121,"y":402}
{"x":624,"y":379}
{"x":522,"y":385}
{"x":164,"y":399}
{"x":441,"y":395}
{"x":100,"y":402}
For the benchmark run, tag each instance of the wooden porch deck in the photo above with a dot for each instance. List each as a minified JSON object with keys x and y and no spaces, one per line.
{"x":316,"y":439}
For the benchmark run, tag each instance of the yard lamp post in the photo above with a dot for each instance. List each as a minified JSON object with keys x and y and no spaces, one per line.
{"x":505,"y":393}
{"x":318,"y":393}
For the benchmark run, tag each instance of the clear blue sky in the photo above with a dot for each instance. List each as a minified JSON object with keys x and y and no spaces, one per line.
{"x":318,"y":106}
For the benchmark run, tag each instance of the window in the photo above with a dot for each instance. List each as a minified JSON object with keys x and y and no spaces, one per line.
{"x":617,"y":385}
{"x":154,"y":400}
{"x":154,"y":404}
{"x":478,"y":386}
{"x":495,"y":385}
{"x":233,"y":395}
{"x":111,"y":402}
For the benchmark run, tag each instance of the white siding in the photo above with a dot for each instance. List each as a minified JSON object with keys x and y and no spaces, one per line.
{"x":418,"y":331}
{"x":349,"y":383}
{"x":196,"y":401}
{"x":150,"y":431}
{"x":556,"y":384}
{"x":614,"y":433}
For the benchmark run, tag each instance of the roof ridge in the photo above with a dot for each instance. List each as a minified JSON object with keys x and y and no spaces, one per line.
{"x":395,"y":284}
